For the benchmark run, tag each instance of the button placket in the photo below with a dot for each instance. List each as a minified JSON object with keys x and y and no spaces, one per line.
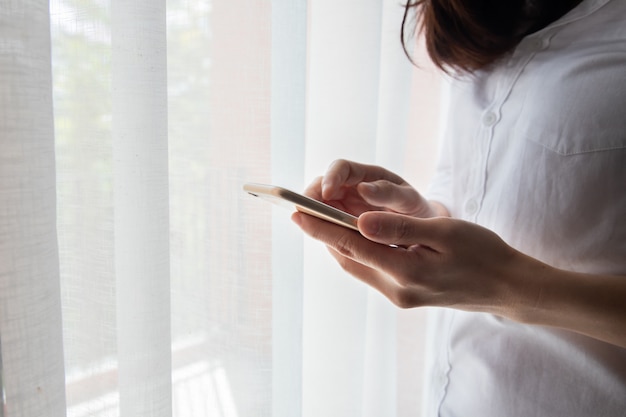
{"x":539,"y":44}
{"x":471,"y":206}
{"x":489,"y":119}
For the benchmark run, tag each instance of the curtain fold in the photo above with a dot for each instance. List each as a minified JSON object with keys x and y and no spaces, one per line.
{"x":288,"y":110}
{"x":141,"y":206}
{"x":30,"y":302}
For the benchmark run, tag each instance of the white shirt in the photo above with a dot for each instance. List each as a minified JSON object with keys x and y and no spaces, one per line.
{"x":535,"y":150}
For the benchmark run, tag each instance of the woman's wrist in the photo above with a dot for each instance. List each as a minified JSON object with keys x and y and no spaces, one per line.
{"x":523,"y":295}
{"x":539,"y":294}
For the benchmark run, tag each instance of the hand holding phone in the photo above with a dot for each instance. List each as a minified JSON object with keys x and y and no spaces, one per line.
{"x":290,"y":199}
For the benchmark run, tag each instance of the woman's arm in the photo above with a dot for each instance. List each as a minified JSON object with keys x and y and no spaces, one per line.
{"x":452,"y":263}
{"x":590,"y":304}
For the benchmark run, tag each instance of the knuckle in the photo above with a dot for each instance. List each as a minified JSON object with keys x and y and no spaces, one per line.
{"x":344,"y":246}
{"x":338,"y":164}
{"x":402,"y":298}
{"x":448,"y":230}
{"x":403,"y":230}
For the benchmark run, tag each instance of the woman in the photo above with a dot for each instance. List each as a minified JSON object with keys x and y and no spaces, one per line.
{"x":522,"y":234}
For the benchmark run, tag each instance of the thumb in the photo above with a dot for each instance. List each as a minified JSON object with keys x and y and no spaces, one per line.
{"x":402,"y":230}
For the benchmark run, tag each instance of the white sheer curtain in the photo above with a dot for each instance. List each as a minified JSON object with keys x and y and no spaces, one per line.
{"x":136,"y":278}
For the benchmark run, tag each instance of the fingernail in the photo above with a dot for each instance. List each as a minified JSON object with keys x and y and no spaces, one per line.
{"x":370,"y":227}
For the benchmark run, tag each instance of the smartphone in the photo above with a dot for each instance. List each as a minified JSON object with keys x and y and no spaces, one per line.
{"x":290,"y":199}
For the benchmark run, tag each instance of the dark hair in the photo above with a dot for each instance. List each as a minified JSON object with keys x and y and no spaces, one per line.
{"x":468,"y":35}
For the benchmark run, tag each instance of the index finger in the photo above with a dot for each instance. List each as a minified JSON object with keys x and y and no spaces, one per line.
{"x":344,"y":173}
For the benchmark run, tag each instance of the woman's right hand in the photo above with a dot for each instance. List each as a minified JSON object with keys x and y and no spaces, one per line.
{"x":357,"y":188}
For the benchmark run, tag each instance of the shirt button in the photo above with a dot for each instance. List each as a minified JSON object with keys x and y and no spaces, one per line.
{"x":540,"y":43}
{"x":471,"y":207}
{"x":490,"y":118}
{"x":440,"y":378}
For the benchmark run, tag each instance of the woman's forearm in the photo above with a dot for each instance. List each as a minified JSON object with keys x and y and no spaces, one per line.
{"x":593,"y":305}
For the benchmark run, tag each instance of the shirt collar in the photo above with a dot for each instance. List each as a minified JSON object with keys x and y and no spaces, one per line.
{"x":584,"y":9}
